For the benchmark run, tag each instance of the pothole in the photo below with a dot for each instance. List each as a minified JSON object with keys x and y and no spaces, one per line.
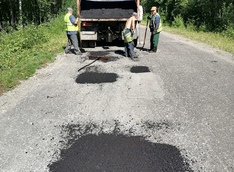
{"x":99,"y":53}
{"x":96,"y":78}
{"x":139,"y":69}
{"x":103,"y":58}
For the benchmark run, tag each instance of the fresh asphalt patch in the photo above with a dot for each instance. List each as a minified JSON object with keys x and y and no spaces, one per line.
{"x":96,"y":78}
{"x":139,"y":69}
{"x":90,"y":148}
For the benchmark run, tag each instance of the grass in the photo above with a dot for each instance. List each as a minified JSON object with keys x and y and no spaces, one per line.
{"x":216,"y":40}
{"x":22,"y":55}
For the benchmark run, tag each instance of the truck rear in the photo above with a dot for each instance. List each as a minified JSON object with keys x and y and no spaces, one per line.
{"x":104,"y":20}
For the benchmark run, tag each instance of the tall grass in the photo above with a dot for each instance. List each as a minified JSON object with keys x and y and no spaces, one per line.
{"x":26,"y":50}
{"x":216,"y":40}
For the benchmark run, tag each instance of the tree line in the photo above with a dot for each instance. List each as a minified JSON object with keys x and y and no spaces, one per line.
{"x":17,"y":13}
{"x":210,"y":15}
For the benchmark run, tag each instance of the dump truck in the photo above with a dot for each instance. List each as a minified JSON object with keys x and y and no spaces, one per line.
{"x":104,"y":20}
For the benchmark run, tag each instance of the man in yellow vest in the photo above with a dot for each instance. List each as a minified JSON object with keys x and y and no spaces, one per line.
{"x":155,"y":29}
{"x":128,"y":36}
{"x":71,"y":24}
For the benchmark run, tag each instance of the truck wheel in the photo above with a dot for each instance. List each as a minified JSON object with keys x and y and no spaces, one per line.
{"x":92,"y":44}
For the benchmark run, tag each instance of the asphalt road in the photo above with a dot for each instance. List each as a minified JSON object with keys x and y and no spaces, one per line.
{"x":169,"y":111}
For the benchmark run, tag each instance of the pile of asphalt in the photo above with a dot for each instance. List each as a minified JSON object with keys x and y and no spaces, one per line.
{"x":103,"y":13}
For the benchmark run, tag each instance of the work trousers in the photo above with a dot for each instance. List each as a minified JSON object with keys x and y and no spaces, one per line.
{"x":154,"y":40}
{"x":72,"y":40}
{"x":129,"y":47}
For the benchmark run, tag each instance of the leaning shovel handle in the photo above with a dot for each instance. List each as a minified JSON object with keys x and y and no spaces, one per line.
{"x":145,"y":33}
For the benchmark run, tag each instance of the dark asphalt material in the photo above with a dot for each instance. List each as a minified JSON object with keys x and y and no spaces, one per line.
{"x":95,"y":77}
{"x":139,"y":69}
{"x":105,"y":55}
{"x":99,"y":53}
{"x":106,"y":13}
{"x":107,"y":10}
{"x":119,"y":153}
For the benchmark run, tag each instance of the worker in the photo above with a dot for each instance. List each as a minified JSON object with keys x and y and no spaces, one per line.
{"x":128,"y":33}
{"x":155,"y":29}
{"x":71,"y":24}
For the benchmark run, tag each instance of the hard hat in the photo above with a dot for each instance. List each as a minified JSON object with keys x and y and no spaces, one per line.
{"x":153,"y":8}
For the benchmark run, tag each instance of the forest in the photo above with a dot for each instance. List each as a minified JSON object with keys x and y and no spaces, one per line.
{"x":206,"y":15}
{"x":17,"y":13}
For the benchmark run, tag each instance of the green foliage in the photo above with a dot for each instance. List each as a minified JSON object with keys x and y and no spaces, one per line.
{"x":26,"y":50}
{"x":217,"y":40}
{"x":24,"y":12}
{"x":71,"y":4}
{"x":178,"y":22}
{"x":19,"y":41}
{"x":205,"y":15}
{"x":229,"y":32}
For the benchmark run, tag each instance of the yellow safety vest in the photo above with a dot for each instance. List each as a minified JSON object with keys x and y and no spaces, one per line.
{"x":68,"y":24}
{"x":127,"y":37}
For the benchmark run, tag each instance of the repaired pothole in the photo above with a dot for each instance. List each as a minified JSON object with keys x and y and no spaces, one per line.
{"x":87,"y":147}
{"x":109,"y":152}
{"x":96,"y":78}
{"x":139,"y":69}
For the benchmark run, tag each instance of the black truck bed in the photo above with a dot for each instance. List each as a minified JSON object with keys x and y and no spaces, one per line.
{"x":116,"y":13}
{"x":100,"y":9}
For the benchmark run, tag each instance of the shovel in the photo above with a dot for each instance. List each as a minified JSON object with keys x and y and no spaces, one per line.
{"x":94,"y":58}
{"x":145,"y":34}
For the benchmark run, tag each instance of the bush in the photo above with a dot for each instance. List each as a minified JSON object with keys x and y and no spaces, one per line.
{"x":17,"y":42}
{"x":178,"y":22}
{"x":26,"y":50}
{"x":229,"y":32}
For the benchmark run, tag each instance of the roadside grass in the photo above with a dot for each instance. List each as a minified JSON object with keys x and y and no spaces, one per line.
{"x":216,"y":40}
{"x":23,"y":52}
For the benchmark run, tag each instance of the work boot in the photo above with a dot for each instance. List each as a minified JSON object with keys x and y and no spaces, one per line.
{"x":153,"y":50}
{"x":68,"y":52}
{"x":78,"y":52}
{"x":134,"y":58}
